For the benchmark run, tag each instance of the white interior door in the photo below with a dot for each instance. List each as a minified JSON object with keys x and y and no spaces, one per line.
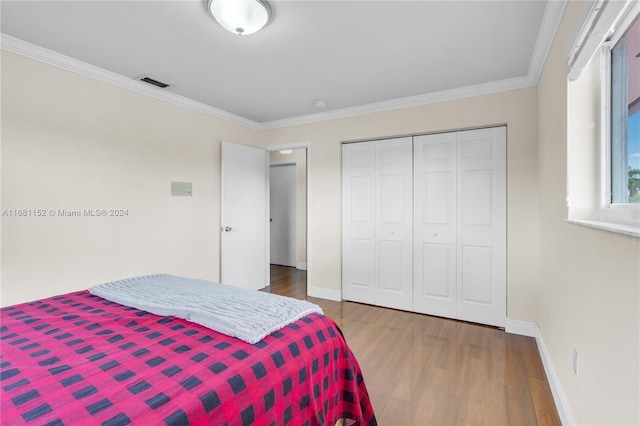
{"x":283,"y":205}
{"x":377,"y":223}
{"x":244,"y":216}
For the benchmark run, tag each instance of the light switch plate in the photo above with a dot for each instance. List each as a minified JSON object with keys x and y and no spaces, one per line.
{"x":181,"y":189}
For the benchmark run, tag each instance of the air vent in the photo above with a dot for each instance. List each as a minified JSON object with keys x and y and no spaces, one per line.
{"x":150,"y":80}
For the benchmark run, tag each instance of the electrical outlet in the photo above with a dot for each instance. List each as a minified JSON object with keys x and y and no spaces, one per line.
{"x":575,"y":361}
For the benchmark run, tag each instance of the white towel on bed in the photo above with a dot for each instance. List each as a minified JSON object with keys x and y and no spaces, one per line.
{"x":246,"y":314}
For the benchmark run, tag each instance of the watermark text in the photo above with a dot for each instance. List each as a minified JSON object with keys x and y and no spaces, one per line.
{"x":65,"y":212}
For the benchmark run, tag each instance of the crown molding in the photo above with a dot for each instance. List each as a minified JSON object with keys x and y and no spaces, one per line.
{"x":411,"y":101}
{"x":29,"y":50}
{"x":553,"y":13}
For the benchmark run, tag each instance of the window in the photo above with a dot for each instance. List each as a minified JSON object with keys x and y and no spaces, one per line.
{"x":603,"y":121}
{"x":621,"y":117}
{"x":624,"y":120}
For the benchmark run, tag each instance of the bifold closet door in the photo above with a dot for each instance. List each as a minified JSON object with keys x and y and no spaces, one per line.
{"x":377,"y":243}
{"x":435,"y":224}
{"x":460,"y":225}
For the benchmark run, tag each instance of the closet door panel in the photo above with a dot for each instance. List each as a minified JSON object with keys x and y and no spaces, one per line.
{"x":437,"y":292}
{"x":477,"y":200}
{"x":477,"y":275}
{"x":434,"y":289}
{"x":437,"y":197}
{"x":390,"y":257}
{"x":481,"y":234}
{"x":377,"y":222}
{"x":358,"y":223}
{"x":394,"y":223}
{"x":360,"y":252}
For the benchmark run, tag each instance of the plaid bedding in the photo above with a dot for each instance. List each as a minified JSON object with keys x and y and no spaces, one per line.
{"x":80,"y":359}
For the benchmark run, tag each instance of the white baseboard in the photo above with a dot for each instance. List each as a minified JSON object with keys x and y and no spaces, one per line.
{"x":531,"y":329}
{"x":302,"y":266}
{"x":523,"y":328}
{"x":324,"y":293}
{"x":559,"y":397}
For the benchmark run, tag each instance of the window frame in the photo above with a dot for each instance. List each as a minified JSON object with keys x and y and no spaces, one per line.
{"x":617,"y":213}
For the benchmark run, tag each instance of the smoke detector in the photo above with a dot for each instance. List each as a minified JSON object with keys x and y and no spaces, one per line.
{"x":320,"y":103}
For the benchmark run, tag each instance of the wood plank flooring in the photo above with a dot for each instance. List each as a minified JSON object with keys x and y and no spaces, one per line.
{"x":423,"y":370}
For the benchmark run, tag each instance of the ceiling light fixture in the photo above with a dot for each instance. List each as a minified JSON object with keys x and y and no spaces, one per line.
{"x":240,"y":17}
{"x":286,"y":151}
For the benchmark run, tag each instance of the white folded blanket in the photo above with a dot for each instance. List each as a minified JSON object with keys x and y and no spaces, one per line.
{"x":246,"y":314}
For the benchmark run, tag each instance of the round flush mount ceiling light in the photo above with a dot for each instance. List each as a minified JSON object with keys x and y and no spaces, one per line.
{"x":240,"y":17}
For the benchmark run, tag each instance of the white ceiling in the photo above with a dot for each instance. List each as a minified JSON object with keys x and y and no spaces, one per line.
{"x":355,"y":54}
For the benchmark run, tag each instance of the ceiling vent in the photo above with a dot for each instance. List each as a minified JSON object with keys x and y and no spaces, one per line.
{"x":155,"y":82}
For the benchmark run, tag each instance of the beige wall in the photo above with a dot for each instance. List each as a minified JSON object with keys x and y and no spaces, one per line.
{"x":300,"y":157}
{"x":70,"y":142}
{"x":589,"y":279}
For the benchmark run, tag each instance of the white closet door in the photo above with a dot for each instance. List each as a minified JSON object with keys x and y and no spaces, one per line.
{"x":394,"y":223}
{"x":435,"y":290}
{"x":482,"y":226}
{"x":431,"y":241}
{"x":377,"y":223}
{"x":358,"y":222}
{"x":460,"y":225}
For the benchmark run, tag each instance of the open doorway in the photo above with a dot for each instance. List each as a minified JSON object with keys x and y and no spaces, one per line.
{"x":283,"y":216}
{"x":288,"y":186}
{"x":291,"y":279}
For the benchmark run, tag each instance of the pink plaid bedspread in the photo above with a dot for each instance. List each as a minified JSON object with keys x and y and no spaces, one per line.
{"x":80,"y":359}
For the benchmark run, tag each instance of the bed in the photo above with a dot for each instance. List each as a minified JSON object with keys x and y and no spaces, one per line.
{"x":81,"y":359}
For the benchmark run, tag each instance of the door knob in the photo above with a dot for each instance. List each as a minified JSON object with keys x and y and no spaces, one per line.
{"x":225,"y":229}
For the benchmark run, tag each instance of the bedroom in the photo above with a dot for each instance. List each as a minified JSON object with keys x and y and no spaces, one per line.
{"x":73,"y":142}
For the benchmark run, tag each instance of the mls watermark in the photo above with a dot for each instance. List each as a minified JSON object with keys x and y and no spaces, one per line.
{"x":65,"y":212}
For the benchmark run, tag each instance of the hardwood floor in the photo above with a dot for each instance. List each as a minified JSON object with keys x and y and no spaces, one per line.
{"x":423,"y":370}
